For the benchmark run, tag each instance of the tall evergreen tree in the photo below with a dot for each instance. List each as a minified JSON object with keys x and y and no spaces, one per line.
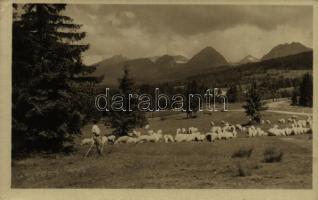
{"x":46,"y":73}
{"x":254,"y":104}
{"x":295,"y":95}
{"x":306,"y":91}
{"x":232,"y":94}
{"x":191,"y":105}
{"x":125,"y":120}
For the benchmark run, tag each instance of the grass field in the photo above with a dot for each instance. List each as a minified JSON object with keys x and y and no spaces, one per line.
{"x":175,"y":165}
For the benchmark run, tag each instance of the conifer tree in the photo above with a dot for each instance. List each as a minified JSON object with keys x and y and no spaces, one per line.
{"x":191,"y":106}
{"x":232,"y":94}
{"x":254,"y":104}
{"x":125,"y":120}
{"x":306,"y":91}
{"x":47,"y":71}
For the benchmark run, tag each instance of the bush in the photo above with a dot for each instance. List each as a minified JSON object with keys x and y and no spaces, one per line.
{"x":162,"y":118}
{"x":243,"y":152}
{"x":271,"y":155}
{"x":242,"y":171}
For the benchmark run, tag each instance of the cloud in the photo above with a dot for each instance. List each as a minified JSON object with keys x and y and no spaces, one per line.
{"x":149,"y":30}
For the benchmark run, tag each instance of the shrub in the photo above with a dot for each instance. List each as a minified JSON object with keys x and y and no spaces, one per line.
{"x":162,"y":118}
{"x":272,"y":154}
{"x":242,"y":171}
{"x":243,"y":152}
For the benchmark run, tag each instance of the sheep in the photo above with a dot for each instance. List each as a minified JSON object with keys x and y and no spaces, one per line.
{"x":302,"y":122}
{"x":136,"y":133}
{"x":168,"y":138}
{"x":211,"y":136}
{"x":243,"y":129}
{"x":268,"y":121}
{"x":155,"y":137}
{"x":183,"y":137}
{"x":216,"y":129}
{"x":260,"y":132}
{"x":262,"y":121}
{"x":275,"y":131}
{"x":146,"y":127}
{"x":126,"y":139}
{"x":226,"y":135}
{"x":223,"y":122}
{"x":239,"y":127}
{"x":192,"y":130}
{"x":150,"y":132}
{"x":87,"y":141}
{"x":288,"y":131}
{"x":197,"y":136}
{"x":251,"y":131}
{"x":111,"y":138}
{"x":234,"y":133}
{"x":132,"y":140}
{"x":184,"y":131}
{"x":180,"y":137}
{"x":290,"y":120}
{"x":212,"y":123}
{"x":282,"y":121}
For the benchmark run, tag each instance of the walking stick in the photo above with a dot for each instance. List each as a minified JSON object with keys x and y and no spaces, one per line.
{"x":89,"y":149}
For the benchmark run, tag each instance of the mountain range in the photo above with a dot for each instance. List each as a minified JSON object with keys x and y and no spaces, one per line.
{"x":248,"y":59}
{"x":286,"y":49}
{"x":165,"y":68}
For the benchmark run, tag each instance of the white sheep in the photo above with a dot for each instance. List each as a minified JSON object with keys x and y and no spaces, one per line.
{"x":168,"y":138}
{"x":126,"y":139}
{"x":184,"y":131}
{"x":210,"y":136}
{"x":239,"y":127}
{"x":212,"y":123}
{"x":268,"y":121}
{"x":111,"y":138}
{"x":155,"y":137}
{"x":282,"y":121}
{"x":183,"y":137}
{"x":243,"y":129}
{"x":136,"y":133}
{"x":251,"y":131}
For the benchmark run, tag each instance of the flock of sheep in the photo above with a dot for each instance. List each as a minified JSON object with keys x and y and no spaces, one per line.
{"x":226,"y":131}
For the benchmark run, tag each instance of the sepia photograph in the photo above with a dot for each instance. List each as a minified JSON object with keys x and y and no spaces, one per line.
{"x":162,"y":96}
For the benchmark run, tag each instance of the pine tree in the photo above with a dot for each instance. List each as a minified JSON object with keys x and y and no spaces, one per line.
{"x":306,"y":91}
{"x":232,"y":94}
{"x":294,"y":97}
{"x":124,"y":121}
{"x":191,"y":106}
{"x":47,"y":72}
{"x":254,"y":104}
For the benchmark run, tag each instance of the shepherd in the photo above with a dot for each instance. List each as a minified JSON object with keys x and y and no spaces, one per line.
{"x":97,"y":137}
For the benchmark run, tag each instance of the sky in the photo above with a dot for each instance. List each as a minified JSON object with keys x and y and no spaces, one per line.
{"x":139,"y":31}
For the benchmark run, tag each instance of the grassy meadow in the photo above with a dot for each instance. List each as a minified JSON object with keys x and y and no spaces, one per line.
{"x":176,"y":165}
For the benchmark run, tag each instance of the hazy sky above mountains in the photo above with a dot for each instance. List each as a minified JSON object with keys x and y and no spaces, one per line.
{"x":152,"y":30}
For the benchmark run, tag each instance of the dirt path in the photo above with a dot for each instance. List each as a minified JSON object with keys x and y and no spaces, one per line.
{"x":277,"y":104}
